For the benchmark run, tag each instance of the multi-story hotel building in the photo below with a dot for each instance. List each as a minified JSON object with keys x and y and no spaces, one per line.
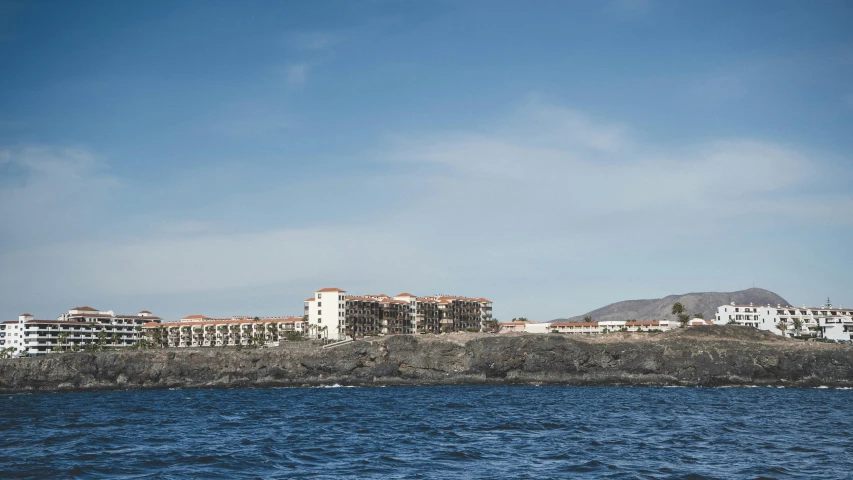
{"x":833,"y":323}
{"x":73,"y":330}
{"x":333,"y":315}
{"x":203,"y":331}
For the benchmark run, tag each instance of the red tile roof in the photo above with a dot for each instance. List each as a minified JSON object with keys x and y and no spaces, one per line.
{"x":88,"y":309}
{"x":58,"y":322}
{"x":574,"y":324}
{"x":362,"y":299}
{"x":104,"y":315}
{"x":404,"y":294}
{"x":222,"y":321}
{"x":331,"y":290}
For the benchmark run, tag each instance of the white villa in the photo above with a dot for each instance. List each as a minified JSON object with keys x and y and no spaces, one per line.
{"x":832,"y":323}
{"x":79,"y":327}
{"x":333,"y":315}
{"x":203,"y":331}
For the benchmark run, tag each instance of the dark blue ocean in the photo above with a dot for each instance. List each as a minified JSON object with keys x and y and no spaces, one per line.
{"x":430,"y":432}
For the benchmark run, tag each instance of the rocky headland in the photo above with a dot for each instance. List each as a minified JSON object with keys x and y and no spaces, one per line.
{"x":696,"y":356}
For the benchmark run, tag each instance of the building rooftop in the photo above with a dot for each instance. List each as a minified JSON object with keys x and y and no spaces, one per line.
{"x":225,"y":321}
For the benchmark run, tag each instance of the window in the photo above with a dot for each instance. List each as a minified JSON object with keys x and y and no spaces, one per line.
{"x":319,"y":312}
{"x":319,"y":304}
{"x":319,"y":295}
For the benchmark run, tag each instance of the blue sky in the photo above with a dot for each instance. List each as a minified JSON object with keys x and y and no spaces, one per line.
{"x":231,"y":157}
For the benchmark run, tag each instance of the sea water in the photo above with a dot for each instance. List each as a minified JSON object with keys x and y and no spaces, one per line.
{"x":430,"y":432}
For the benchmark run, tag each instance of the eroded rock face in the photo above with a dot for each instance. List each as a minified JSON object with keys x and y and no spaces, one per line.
{"x":698,"y":356}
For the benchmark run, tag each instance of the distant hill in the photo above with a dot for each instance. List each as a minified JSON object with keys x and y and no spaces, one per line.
{"x":705,"y":303}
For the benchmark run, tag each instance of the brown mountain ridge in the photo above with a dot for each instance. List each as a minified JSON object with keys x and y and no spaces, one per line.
{"x":705,"y":303}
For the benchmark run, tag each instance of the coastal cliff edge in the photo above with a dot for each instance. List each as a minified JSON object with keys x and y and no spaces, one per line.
{"x":696,"y":356}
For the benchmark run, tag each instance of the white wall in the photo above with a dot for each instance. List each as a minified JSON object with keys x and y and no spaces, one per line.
{"x":328,"y":310}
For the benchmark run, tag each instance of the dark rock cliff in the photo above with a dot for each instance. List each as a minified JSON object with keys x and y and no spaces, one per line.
{"x":697,"y":356}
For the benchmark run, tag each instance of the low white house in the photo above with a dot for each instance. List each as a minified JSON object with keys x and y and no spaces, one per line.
{"x":591,"y":328}
{"x":524,"y":327}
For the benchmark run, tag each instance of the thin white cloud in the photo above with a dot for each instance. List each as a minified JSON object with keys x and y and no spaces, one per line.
{"x":312,"y":41}
{"x":51,"y":190}
{"x":529,"y":206}
{"x":251,"y":120}
{"x":295,"y":75}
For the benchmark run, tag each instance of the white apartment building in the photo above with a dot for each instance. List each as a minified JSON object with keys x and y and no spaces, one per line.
{"x":833,"y":323}
{"x":333,"y":315}
{"x":79,"y":327}
{"x":203,"y":331}
{"x":326,"y":312}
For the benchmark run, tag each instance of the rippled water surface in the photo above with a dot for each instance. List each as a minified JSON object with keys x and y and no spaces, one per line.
{"x":431,"y":432}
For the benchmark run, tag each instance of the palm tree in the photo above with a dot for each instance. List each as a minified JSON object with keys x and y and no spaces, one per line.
{"x":683,"y":318}
{"x":699,"y":315}
{"x":115,"y":339}
{"x":63,"y":340}
{"x":92,"y":327}
{"x":273,"y":329}
{"x":677,"y":308}
{"x":157,"y":336}
{"x":818,"y":330}
{"x":587,"y":318}
{"x":137,"y":332}
{"x":798,"y":325}
{"x":782,"y":326}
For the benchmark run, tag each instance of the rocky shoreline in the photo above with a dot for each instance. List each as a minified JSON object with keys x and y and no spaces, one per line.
{"x":697,"y":356}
